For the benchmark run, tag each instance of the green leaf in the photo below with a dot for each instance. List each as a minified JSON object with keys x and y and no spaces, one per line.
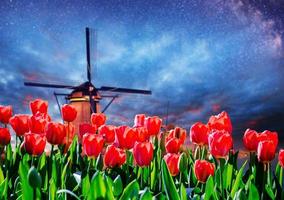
{"x":228,"y":176}
{"x":182,"y":192}
{"x":85,"y":185}
{"x":253,"y":192}
{"x":183,"y":162}
{"x":52,"y":190}
{"x":240,"y":195}
{"x":117,"y":186}
{"x":1,"y":175}
{"x":108,"y":183}
{"x":146,"y":194}
{"x":131,"y":191}
{"x":238,"y":180}
{"x":209,"y":188}
{"x":269,"y":191}
{"x":27,"y":190}
{"x":97,"y":182}
{"x":168,"y":183}
{"x":64,"y":191}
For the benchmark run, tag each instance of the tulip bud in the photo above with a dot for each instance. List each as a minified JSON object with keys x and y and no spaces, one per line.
{"x":203,"y":169}
{"x":6,"y":113}
{"x":20,"y":124}
{"x":114,"y":157}
{"x":139,"y":120}
{"x":199,"y":134}
{"x":153,"y":124}
{"x":220,"y":122}
{"x":172,"y":161}
{"x":220,"y":143}
{"x":34,"y":178}
{"x":55,"y":133}
{"x":125,"y":137}
{"x":38,"y":105}
{"x":251,"y":140}
{"x":92,"y":144}
{"x":143,"y":153}
{"x":173,"y":145}
{"x":108,"y":133}
{"x":34,"y":144}
{"x":266,"y":151}
{"x":98,"y":119}
{"x":69,"y":113}
{"x":5,"y":136}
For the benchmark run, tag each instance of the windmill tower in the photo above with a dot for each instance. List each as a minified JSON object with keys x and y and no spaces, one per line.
{"x":86,"y":97}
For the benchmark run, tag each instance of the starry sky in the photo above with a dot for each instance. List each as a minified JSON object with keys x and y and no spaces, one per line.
{"x":198,"y":57}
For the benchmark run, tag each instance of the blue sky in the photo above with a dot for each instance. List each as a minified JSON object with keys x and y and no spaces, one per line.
{"x":200,"y":57}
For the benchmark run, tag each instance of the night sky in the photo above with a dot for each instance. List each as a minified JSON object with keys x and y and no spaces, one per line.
{"x":197,"y":57}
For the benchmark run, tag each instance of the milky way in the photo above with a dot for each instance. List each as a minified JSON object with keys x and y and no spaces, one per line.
{"x":198,"y":57}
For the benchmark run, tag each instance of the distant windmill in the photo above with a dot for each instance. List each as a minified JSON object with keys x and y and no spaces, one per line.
{"x":86,"y":97}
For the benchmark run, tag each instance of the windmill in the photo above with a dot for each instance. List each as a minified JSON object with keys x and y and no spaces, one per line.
{"x":86,"y":97}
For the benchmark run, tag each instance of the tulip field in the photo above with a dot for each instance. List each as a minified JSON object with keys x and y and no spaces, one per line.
{"x":50,"y":160}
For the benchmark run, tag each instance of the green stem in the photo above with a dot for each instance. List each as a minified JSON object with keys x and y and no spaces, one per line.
{"x":222,"y":162}
{"x":34,"y":190}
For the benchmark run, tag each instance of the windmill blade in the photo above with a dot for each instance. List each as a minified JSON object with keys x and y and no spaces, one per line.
{"x":88,"y":54}
{"x":48,"y":85}
{"x":124,"y":90}
{"x":109,"y":103}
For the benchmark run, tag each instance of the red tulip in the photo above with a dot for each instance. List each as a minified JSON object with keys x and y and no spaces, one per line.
{"x":108,"y":133}
{"x":220,"y":122}
{"x":173,"y":145}
{"x":34,"y":144}
{"x":20,"y":124}
{"x":86,"y":128}
{"x":98,"y":119}
{"x":6,"y":113}
{"x":70,"y":129}
{"x":37,"y":124}
{"x":281,"y":157}
{"x":153,"y":124}
{"x":69,"y":113}
{"x":142,"y":134}
{"x":125,"y":137}
{"x":139,"y":120}
{"x":38,"y":105}
{"x":199,"y":134}
{"x":220,"y":143}
{"x":114,"y":157}
{"x":251,"y":140}
{"x":92,"y":144}
{"x":269,"y":135}
{"x":266,"y":151}
{"x":55,"y":133}
{"x":178,"y":133}
{"x":203,"y":169}
{"x":5,"y":136}
{"x":143,"y":153}
{"x":172,"y":161}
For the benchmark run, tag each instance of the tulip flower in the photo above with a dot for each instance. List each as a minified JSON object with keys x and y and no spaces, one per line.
{"x":34,"y":144}
{"x":139,"y":120}
{"x":92,"y":144}
{"x":203,"y":169}
{"x":125,"y":137}
{"x":114,"y":157}
{"x":220,"y":143}
{"x":143,"y":153}
{"x":199,"y":134}
{"x":6,"y":113}
{"x":250,"y":140}
{"x":67,"y":141}
{"x":142,"y":134}
{"x":220,"y":122}
{"x":37,"y":124}
{"x":281,"y":158}
{"x":266,"y":151}
{"x":20,"y":124}
{"x":108,"y":133}
{"x":269,"y":135}
{"x":55,"y":133}
{"x":86,"y":128}
{"x":5,"y":137}
{"x":178,"y":133}
{"x":172,"y":161}
{"x":173,"y":145}
{"x":38,"y":105}
{"x":69,"y":113}
{"x":153,"y":124}
{"x":98,"y":119}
